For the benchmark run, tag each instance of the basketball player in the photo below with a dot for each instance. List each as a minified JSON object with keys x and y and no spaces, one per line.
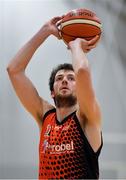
{"x":70,"y":131}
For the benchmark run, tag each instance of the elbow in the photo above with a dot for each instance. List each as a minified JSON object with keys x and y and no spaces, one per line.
{"x":13,"y":69}
{"x":10,"y":70}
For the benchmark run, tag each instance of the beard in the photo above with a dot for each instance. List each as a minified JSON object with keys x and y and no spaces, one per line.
{"x":65,"y":101}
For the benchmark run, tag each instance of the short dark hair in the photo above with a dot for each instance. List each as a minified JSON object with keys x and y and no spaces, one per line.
{"x":65,"y":66}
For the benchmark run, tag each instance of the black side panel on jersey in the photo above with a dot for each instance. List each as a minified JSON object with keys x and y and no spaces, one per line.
{"x":91,"y":156}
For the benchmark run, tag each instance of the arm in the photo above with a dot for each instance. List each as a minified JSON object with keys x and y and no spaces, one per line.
{"x":24,"y":88}
{"x":88,"y":104}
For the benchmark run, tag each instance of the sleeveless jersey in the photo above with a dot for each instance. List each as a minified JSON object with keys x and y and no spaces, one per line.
{"x":64,"y":151}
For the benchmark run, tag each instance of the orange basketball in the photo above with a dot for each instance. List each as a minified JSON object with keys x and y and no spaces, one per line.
{"x":80,"y":23}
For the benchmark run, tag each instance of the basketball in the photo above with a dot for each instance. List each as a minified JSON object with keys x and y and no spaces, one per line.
{"x":80,"y":23}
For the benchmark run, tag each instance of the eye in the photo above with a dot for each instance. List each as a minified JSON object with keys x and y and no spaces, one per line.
{"x":59,"y":78}
{"x":71,"y":78}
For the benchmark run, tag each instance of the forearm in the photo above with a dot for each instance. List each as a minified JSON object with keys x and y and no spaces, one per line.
{"x":84,"y":88}
{"x":79,"y":59}
{"x":24,"y":55}
{"x":79,"y":48}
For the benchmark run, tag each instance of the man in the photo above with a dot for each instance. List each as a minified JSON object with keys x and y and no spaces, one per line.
{"x":70,"y":132}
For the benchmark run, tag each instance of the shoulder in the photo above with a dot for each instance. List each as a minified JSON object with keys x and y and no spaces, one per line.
{"x":51,"y":111}
{"x":47,"y":109}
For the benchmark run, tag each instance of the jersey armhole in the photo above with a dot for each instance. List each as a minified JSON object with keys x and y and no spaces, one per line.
{"x":99,"y":149}
{"x":97,"y":153}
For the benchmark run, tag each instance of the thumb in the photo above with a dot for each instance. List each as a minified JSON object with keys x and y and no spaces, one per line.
{"x":59,"y":35}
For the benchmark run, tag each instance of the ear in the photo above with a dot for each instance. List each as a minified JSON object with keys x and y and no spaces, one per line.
{"x":52,"y":94}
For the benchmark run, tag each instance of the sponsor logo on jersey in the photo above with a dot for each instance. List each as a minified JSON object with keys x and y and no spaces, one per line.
{"x":65,"y":128}
{"x":56,"y":149}
{"x":48,"y":130}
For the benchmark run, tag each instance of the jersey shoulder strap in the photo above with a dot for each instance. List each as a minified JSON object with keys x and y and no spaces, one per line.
{"x":51,"y":111}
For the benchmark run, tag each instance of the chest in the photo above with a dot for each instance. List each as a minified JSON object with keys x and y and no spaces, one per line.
{"x":57,"y":139}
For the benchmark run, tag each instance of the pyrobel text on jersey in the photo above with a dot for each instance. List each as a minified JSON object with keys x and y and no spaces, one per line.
{"x":58,"y":148}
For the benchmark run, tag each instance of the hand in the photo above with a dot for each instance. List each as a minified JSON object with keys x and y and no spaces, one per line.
{"x":53,"y":24}
{"x":84,"y":44}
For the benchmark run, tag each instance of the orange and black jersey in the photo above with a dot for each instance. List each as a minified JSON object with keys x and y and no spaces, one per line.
{"x":64,"y":151}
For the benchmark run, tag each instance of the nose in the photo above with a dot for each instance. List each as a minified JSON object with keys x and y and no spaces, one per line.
{"x":64,"y":81}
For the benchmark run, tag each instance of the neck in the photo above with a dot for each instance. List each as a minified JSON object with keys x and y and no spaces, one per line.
{"x":64,"y":111}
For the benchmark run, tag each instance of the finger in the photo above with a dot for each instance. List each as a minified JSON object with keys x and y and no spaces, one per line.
{"x":63,"y":16}
{"x":68,"y":47}
{"x":60,"y":21}
{"x":91,"y":47}
{"x":98,"y":41}
{"x":87,"y":50}
{"x":85,"y":42}
{"x":55,"y":19}
{"x":94,"y":40}
{"x":59,"y":35}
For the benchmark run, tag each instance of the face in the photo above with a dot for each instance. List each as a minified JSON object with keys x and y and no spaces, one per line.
{"x":64,"y":86}
{"x":64,"y":83}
